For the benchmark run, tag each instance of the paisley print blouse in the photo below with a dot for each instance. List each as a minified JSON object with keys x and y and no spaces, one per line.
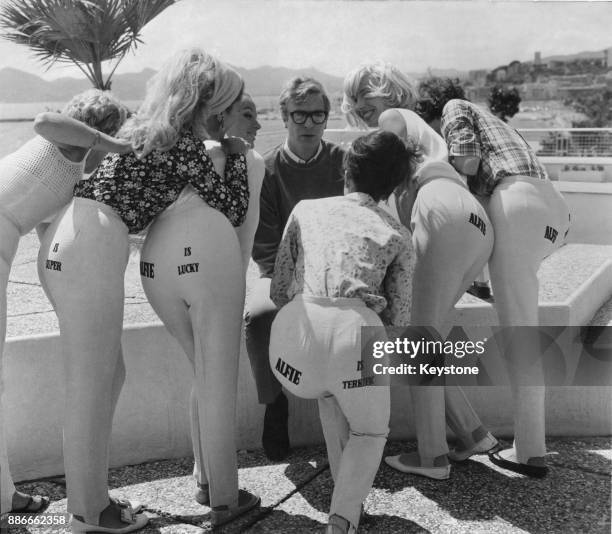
{"x":346,"y":247}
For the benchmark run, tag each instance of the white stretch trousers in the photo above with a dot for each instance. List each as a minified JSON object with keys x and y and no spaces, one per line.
{"x":9,"y":240}
{"x":531,"y":220}
{"x":192,"y":273}
{"x":453,"y":239}
{"x":81,"y":265}
{"x":320,"y":338}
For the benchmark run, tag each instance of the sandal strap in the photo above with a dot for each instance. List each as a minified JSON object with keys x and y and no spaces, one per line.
{"x":34,"y":505}
{"x":127,"y":515}
{"x":121,"y":503}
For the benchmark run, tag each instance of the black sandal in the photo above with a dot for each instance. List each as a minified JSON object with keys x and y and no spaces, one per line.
{"x":530,"y":470}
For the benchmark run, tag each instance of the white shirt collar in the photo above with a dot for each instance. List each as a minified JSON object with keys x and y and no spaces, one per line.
{"x":296,"y":158}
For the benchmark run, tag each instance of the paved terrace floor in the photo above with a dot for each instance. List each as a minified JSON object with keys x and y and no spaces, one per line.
{"x":479,"y":497}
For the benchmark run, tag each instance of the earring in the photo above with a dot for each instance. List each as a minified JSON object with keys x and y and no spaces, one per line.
{"x":221,"y":119}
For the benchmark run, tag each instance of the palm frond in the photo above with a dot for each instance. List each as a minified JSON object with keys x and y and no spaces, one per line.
{"x":84,"y":32}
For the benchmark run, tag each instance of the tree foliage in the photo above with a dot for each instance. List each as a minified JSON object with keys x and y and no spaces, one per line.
{"x":504,"y":101}
{"x":83,"y":32}
{"x":597,"y":108}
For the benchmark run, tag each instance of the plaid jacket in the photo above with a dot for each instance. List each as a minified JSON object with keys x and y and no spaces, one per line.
{"x":471,"y":131}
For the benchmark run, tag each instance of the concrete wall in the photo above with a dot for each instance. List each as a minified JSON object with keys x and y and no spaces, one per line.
{"x":152,"y":421}
{"x":591,"y":208}
{"x":555,"y":166}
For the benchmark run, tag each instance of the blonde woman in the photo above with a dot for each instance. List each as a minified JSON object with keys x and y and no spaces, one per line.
{"x":372,"y":88}
{"x":452,"y":239}
{"x":85,"y":250}
{"x":193,"y":272}
{"x":35,"y":181}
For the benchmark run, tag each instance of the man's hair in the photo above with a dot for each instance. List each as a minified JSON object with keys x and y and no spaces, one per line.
{"x":298,"y":89}
{"x":378,"y":162}
{"x":99,"y":109}
{"x":434,"y":93}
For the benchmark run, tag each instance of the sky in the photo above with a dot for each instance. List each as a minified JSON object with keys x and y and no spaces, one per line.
{"x":336,"y":36}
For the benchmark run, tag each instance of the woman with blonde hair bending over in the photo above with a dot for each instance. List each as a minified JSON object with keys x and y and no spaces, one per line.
{"x":193,"y":267}
{"x":452,"y":239}
{"x":35,"y":181}
{"x":85,"y":251}
{"x":378,"y":92}
{"x":372,"y":88}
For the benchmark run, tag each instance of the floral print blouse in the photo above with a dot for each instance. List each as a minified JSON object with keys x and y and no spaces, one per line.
{"x":140,"y":189}
{"x":346,"y":247}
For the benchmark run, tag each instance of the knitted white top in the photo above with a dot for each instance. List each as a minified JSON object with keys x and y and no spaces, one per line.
{"x":35,"y":181}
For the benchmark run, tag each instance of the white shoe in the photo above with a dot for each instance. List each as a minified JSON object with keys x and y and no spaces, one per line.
{"x":133,"y":522}
{"x":437,"y":473}
{"x":480,"y":447}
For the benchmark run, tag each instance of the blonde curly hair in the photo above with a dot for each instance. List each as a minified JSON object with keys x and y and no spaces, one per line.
{"x":378,"y":79}
{"x":177,"y":99}
{"x":99,"y":109}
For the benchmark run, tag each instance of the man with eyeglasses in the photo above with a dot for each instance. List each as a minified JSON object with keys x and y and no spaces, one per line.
{"x":302,"y":167}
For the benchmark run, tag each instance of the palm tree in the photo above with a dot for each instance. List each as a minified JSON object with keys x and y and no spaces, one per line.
{"x":83,"y":32}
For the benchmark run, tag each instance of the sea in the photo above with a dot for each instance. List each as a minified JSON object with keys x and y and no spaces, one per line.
{"x":16,"y":123}
{"x":16,"y":127}
{"x":533,"y":114}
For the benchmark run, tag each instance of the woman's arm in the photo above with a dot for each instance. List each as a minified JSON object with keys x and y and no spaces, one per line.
{"x":246,"y":231}
{"x":397,"y":287}
{"x":67,"y":133}
{"x":391,"y":120}
{"x":284,"y":267}
{"x":459,"y":132}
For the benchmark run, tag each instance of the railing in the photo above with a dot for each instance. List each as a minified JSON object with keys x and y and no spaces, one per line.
{"x":556,"y":142}
{"x":569,"y":154}
{"x":570,"y":142}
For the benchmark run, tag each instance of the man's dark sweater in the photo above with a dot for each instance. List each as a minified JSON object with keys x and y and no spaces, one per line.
{"x":285,"y":184}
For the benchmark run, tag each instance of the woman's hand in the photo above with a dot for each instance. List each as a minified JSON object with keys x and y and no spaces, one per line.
{"x":234,"y":145}
{"x":123,"y":146}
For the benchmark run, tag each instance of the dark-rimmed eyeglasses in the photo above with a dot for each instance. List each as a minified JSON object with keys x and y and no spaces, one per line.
{"x":300,"y":117}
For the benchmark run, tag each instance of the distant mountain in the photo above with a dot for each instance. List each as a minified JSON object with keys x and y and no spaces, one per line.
{"x":18,"y":86}
{"x":442,"y":73}
{"x":267,"y":80}
{"x":579,"y":55}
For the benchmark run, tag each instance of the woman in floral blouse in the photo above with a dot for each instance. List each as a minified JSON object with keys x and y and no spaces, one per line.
{"x":84,"y":254}
{"x":342,"y":263}
{"x":194,"y":278}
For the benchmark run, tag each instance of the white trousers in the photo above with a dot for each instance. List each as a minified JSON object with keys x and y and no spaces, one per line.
{"x":192,"y":274}
{"x":9,"y":240}
{"x":531,"y":220}
{"x":453,"y":239}
{"x":315,"y":352}
{"x":81,"y":265}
